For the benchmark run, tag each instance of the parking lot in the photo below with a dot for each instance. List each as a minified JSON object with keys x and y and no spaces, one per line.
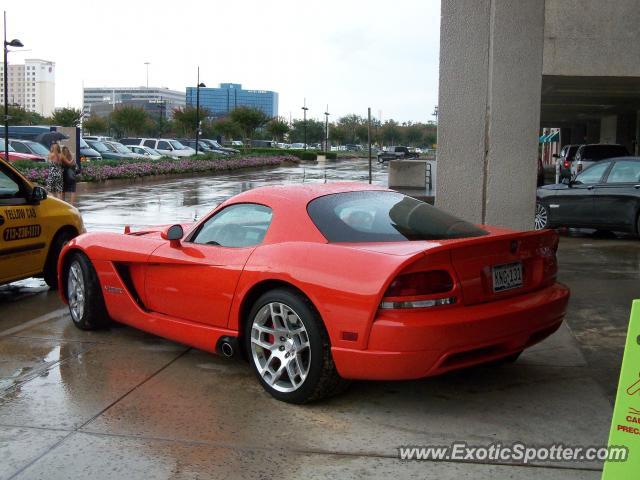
{"x":121,"y":403}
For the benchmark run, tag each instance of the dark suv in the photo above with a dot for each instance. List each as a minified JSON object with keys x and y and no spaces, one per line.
{"x":396,"y":153}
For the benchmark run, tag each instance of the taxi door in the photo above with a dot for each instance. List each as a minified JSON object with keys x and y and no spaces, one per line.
{"x":23,"y":245}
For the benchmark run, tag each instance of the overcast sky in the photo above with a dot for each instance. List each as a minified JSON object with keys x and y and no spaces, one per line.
{"x":348,"y":54}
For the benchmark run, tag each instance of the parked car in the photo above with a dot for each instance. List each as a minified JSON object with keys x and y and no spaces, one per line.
{"x":15,"y":156}
{"x":146,"y":152}
{"x":396,"y":153}
{"x":203,"y":147}
{"x":587,"y":155}
{"x":35,"y":228}
{"x":216,"y":146}
{"x":29,"y":147}
{"x":106,"y":152}
{"x":319,"y":285}
{"x":164,"y":146}
{"x":566,"y":157}
{"x":605,"y":196}
{"x":88,"y":154}
{"x":98,"y":138}
{"x":237,"y":143}
{"x":117,"y":147}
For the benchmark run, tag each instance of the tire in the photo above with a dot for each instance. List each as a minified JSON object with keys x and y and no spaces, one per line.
{"x":541,"y":220}
{"x":86,"y":303}
{"x":50,"y":273}
{"x":297,"y":347}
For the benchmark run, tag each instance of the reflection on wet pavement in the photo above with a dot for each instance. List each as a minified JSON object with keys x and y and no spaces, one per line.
{"x":185,"y":199}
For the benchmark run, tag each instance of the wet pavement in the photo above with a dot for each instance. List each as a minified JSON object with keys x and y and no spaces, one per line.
{"x":124,"y":404}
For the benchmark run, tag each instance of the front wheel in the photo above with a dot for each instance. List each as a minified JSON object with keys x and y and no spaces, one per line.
{"x":84,"y":295}
{"x":289,"y":349}
{"x":542,"y":217}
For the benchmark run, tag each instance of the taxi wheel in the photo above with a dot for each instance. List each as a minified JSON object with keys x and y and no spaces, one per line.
{"x":51,"y":265}
{"x":84,"y":295}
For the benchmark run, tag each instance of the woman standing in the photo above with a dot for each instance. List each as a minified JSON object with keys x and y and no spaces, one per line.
{"x":69,"y":176}
{"x":54,"y":180}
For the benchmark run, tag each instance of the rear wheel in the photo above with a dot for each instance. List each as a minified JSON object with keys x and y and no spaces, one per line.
{"x":542,"y":217}
{"x":289,"y":349}
{"x":86,"y":303}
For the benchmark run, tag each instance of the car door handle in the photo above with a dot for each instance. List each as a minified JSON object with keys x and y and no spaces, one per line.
{"x":636,"y":186}
{"x":590,"y":187}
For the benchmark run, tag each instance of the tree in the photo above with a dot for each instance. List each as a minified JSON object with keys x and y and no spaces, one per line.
{"x":19,"y":116}
{"x":351,"y":125}
{"x":226,"y":128}
{"x":337,"y":134}
{"x":129,"y":121}
{"x":66,"y":117}
{"x":186,"y":119}
{"x":277,"y":127}
{"x":95,"y":125}
{"x":391,"y":133}
{"x":248,"y":119}
{"x":315,"y":131}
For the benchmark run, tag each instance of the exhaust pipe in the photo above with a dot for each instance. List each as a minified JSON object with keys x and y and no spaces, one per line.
{"x":227,"y":349}
{"x":227,"y":346}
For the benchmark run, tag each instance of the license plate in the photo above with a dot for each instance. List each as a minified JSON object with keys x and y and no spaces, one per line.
{"x":506,"y":277}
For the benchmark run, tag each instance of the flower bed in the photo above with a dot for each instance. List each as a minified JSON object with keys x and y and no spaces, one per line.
{"x":98,"y":173}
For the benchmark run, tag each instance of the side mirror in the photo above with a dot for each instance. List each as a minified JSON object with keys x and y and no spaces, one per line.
{"x":37,"y":195}
{"x":174,"y":234}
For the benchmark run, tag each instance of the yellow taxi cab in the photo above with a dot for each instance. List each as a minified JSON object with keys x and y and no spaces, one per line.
{"x":33,"y":228}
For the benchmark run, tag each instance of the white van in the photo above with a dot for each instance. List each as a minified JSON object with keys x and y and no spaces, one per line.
{"x":164,"y":146}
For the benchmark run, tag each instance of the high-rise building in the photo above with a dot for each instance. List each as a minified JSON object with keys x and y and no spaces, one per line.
{"x":101,"y":101}
{"x":220,"y":101}
{"x":31,"y":85}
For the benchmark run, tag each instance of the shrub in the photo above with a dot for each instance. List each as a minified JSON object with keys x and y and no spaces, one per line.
{"x":329,"y":155}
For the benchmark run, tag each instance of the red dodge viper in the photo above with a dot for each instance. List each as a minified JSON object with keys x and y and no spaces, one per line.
{"x":319,"y":284}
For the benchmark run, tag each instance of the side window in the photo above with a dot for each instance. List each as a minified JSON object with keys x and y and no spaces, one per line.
{"x":10,"y":192}
{"x":162,"y":145}
{"x":624,"y":172}
{"x":150,"y":143}
{"x":593,"y":174}
{"x":240,"y":225}
{"x":19,"y":147}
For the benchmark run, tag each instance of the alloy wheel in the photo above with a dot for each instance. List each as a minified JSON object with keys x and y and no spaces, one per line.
{"x":280,"y":347}
{"x":541,"y":218}
{"x":76,"y":291}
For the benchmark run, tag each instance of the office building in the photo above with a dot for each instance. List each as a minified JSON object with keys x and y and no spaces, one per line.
{"x":220,"y":101}
{"x":30,"y":85}
{"x":101,"y":101}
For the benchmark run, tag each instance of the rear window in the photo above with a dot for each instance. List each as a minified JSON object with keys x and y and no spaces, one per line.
{"x":600,"y":152}
{"x":379,"y":216}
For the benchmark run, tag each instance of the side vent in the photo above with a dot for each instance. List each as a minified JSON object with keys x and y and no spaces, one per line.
{"x":125,"y":276}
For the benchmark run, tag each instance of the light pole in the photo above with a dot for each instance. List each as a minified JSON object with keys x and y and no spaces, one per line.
{"x":326,"y":130}
{"x":198,"y":109}
{"x":147,"y":64}
{"x":304,"y":110}
{"x":13,"y":43}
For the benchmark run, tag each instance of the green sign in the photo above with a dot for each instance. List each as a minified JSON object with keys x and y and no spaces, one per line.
{"x":625,"y":426}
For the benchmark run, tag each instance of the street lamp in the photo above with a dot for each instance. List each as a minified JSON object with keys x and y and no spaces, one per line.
{"x":326,"y":130}
{"x":304,"y":110}
{"x":13,"y":43}
{"x":198,"y":109}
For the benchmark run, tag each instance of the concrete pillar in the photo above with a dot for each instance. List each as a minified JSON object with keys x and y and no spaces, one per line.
{"x":489,"y":109}
{"x":608,"y":126}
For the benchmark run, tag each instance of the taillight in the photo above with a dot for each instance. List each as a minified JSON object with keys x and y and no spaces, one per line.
{"x":567,"y":164}
{"x":405,"y":288}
